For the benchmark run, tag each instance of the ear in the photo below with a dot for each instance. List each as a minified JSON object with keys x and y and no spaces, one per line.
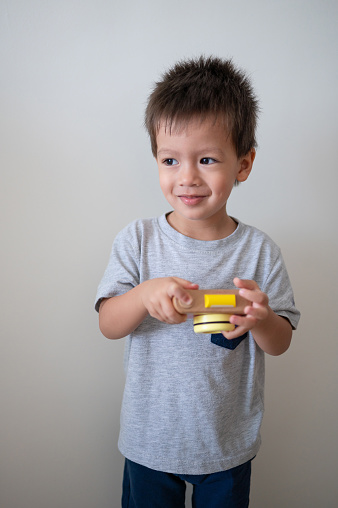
{"x":245,"y":165}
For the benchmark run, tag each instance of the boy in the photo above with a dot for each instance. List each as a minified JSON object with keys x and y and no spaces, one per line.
{"x":193,"y":405}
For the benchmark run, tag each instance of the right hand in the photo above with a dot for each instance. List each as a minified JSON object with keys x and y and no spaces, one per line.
{"x":157,"y":296}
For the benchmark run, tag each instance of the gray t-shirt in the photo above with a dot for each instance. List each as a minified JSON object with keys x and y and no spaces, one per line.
{"x":191,"y":406}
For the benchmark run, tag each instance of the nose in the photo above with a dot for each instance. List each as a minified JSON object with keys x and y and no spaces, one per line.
{"x":189,"y":175}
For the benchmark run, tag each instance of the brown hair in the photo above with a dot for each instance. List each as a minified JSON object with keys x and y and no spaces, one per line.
{"x":203,"y":87}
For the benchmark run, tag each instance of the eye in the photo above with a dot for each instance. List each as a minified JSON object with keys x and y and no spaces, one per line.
{"x":207,"y":160}
{"x":170,"y":162}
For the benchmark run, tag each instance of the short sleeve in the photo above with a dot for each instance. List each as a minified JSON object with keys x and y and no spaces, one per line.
{"x":122,"y":272}
{"x":279,"y":290}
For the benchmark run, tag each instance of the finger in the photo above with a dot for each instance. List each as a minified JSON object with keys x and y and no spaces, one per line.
{"x":245,"y":283}
{"x":240,"y":330}
{"x":178,"y":291}
{"x":186,"y":284}
{"x":258,"y":312}
{"x":246,"y":322}
{"x":255,"y":296}
{"x":170,"y":314}
{"x":167,"y":314}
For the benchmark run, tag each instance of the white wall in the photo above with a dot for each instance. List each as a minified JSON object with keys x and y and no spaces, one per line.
{"x":76,"y":167}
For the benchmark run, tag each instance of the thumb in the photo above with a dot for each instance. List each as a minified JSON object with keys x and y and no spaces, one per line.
{"x":178,"y":290}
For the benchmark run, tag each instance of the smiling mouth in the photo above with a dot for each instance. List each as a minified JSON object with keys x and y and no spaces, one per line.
{"x":191,"y":200}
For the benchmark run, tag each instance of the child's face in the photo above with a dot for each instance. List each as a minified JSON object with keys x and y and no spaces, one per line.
{"x":198,"y":167}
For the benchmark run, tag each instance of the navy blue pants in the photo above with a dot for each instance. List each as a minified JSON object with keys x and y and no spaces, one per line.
{"x":146,"y":488}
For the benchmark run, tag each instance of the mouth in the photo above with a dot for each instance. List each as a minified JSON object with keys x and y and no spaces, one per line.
{"x":191,"y":200}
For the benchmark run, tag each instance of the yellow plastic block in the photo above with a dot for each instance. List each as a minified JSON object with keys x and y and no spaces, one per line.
{"x":219,"y":301}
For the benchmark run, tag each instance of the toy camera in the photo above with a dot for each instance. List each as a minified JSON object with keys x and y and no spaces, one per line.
{"x":211,"y":309}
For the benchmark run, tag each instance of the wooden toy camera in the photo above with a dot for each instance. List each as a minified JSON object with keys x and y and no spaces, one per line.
{"x":212,"y":308}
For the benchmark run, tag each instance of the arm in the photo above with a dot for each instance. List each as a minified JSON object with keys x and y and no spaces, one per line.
{"x":271,"y":332}
{"x":121,"y":315}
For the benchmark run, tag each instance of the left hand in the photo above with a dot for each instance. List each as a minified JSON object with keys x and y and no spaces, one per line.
{"x":255,"y":313}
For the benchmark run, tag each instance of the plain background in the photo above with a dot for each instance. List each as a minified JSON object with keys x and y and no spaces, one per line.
{"x":76,"y":167}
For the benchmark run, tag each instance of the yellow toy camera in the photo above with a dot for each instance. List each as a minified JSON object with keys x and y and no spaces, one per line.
{"x":212,"y":308}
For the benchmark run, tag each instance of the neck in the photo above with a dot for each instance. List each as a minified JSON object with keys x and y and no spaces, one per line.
{"x":203,"y":229}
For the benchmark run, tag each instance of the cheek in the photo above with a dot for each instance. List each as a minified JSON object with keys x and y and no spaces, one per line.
{"x":221,"y":186}
{"x":165,"y":183}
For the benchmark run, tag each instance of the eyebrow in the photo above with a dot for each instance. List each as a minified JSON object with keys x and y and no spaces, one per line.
{"x":213,"y":149}
{"x":200,"y":151}
{"x":165,"y":150}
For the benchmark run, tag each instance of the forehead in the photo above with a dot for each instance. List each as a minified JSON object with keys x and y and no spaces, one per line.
{"x":195,"y":129}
